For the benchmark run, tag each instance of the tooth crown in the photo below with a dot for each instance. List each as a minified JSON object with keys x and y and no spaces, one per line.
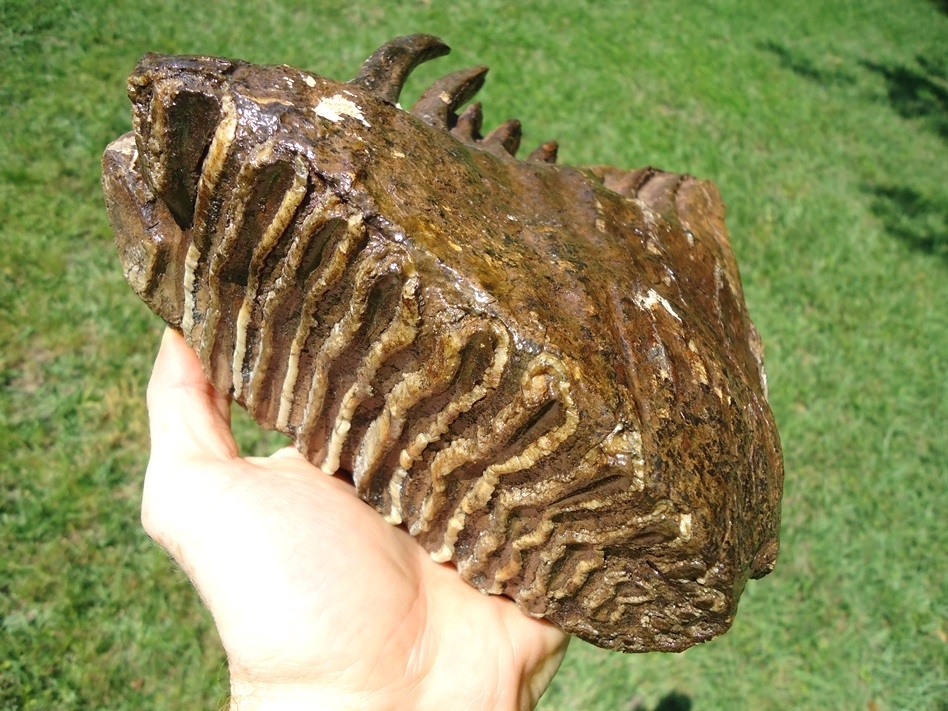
{"x":547,"y":374}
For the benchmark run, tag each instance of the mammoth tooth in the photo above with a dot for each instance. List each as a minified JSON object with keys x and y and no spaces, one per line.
{"x":659,"y":190}
{"x":272,"y":188}
{"x":547,"y":374}
{"x":545,"y":153}
{"x":626,"y":182}
{"x":385,"y":72}
{"x":467,"y":129}
{"x":176,"y":123}
{"x":506,"y":137}
{"x":440,"y":100}
{"x":191,"y":118}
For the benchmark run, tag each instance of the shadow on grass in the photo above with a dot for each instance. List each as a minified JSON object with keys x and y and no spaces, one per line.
{"x":670,"y":702}
{"x":918,"y":220}
{"x":914,"y":91}
{"x":918,"y":92}
{"x":807,"y":68}
{"x":941,"y":6}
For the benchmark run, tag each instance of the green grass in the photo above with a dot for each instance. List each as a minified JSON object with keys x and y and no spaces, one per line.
{"x":825,"y":126}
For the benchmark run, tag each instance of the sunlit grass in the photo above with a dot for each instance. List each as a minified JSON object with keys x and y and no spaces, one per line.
{"x":825,"y":126}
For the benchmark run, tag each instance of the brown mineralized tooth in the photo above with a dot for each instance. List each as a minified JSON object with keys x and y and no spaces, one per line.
{"x":545,"y":153}
{"x":440,"y":100}
{"x":659,"y":189}
{"x":385,"y":72}
{"x":174,"y":127}
{"x":153,"y":245}
{"x":546,"y":374}
{"x":468,"y":126}
{"x":505,"y":137}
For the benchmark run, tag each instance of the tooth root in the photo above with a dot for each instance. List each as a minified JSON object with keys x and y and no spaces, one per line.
{"x":441,"y":99}
{"x":506,"y":136}
{"x":468,"y":126}
{"x":384,"y":73}
{"x":545,"y":153}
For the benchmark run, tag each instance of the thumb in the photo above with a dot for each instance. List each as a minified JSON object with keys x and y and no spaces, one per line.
{"x":190,"y":437}
{"x":188,"y":417}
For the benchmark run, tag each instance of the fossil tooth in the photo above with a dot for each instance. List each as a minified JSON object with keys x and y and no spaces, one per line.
{"x":547,"y":374}
{"x":468,"y":126}
{"x":385,"y":72}
{"x":153,"y":249}
{"x":175,"y":122}
{"x":625,"y":182}
{"x":439,"y":101}
{"x":545,"y":153}
{"x":505,"y":137}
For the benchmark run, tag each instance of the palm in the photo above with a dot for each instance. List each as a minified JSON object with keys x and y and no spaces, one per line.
{"x":307,"y":583}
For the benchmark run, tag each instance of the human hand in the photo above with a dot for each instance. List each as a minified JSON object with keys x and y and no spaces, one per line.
{"x":318,"y":601}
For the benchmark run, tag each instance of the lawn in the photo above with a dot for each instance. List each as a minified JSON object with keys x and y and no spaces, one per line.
{"x":825,"y":125}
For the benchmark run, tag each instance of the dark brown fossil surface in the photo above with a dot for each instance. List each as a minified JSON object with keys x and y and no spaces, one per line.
{"x":547,"y":374}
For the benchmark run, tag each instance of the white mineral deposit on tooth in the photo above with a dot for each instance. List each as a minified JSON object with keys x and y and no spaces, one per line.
{"x":335,"y":107}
